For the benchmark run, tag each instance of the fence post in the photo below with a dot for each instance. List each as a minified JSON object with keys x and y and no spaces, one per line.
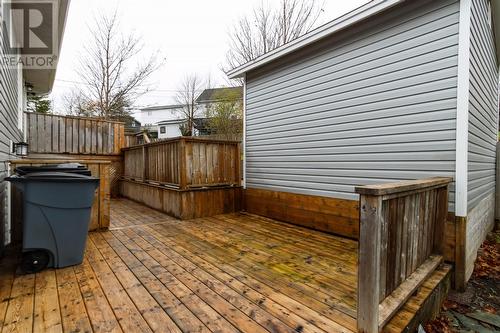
{"x":182,"y":164}
{"x":369,"y":263}
{"x":237,"y":165}
{"x":144,"y":164}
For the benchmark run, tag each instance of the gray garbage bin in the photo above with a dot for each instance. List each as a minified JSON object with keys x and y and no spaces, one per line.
{"x":56,"y":208}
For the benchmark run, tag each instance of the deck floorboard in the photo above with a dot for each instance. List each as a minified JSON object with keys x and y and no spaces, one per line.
{"x":153,"y":273}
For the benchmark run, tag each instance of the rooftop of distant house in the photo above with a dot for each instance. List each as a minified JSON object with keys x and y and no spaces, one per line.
{"x":162,"y":107}
{"x":217,"y":94}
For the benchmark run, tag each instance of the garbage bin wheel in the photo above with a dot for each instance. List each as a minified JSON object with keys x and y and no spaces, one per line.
{"x":34,"y":261}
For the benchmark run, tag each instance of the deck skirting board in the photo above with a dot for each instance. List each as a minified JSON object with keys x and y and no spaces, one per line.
{"x":184,"y":204}
{"x":332,"y":215}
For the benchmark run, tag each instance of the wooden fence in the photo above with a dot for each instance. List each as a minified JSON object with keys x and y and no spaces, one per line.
{"x":56,"y":134}
{"x":100,"y":216}
{"x":184,"y":163}
{"x":400,"y":245}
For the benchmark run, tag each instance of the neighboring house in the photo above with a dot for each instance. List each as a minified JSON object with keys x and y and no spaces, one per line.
{"x":150,"y":116}
{"x":14,"y":84}
{"x":169,"y":128}
{"x":394,"y":90}
{"x":132,"y":125}
{"x":210,"y":96}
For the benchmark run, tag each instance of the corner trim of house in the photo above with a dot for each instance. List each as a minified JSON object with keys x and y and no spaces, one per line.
{"x":244,"y":182}
{"x":462,"y":128}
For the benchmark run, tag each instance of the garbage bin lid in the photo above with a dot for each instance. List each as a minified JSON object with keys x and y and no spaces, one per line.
{"x":64,"y":167}
{"x":53,"y":176}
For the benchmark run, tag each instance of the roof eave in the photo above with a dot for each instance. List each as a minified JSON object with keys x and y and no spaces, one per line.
{"x":370,"y":9}
{"x":42,"y":80}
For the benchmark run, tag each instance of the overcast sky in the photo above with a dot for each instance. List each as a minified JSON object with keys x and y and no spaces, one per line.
{"x":191,"y":34}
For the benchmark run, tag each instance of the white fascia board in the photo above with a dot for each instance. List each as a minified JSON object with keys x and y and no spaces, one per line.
{"x":463,"y":91}
{"x":370,"y":9}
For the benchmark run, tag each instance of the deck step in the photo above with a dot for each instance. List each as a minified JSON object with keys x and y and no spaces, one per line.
{"x":424,"y":305}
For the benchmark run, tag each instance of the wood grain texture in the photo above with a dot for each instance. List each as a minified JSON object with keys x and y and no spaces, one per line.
{"x":184,"y":163}
{"x":397,"y":299}
{"x":402,"y":228}
{"x":424,"y":305}
{"x":337,"y":216}
{"x":184,"y":204}
{"x":403,"y":186}
{"x":55,"y":134}
{"x":460,"y":253}
{"x":331,"y":215}
{"x":236,"y":272}
{"x":371,"y":216}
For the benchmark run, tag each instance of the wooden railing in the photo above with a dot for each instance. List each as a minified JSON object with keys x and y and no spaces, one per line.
{"x":400,"y":245}
{"x":184,"y":163}
{"x":55,"y":134}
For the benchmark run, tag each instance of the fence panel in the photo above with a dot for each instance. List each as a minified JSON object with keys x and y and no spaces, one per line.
{"x":56,"y":134}
{"x":185,"y":163}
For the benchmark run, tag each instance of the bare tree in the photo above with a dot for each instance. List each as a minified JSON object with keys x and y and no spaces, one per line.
{"x":77,"y":104}
{"x":186,"y":96}
{"x":225,"y":117}
{"x":113,"y":82}
{"x":268,"y":28}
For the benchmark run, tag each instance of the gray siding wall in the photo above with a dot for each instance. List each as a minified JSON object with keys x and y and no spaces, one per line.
{"x":8,"y":131}
{"x":483,"y":106}
{"x":376,"y":103}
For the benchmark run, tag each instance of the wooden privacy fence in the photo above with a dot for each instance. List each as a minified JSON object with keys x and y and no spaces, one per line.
{"x":184,"y":163}
{"x":400,"y":244}
{"x":100,"y":216}
{"x":55,"y":134}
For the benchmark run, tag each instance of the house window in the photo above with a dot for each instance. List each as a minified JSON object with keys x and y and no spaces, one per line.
{"x":163,"y":130}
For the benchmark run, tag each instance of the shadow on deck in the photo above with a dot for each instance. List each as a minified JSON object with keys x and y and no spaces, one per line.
{"x":228,"y":273}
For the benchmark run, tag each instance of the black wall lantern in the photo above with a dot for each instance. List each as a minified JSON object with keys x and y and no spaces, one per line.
{"x":20,"y":149}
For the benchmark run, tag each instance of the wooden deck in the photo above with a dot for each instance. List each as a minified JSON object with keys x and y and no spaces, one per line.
{"x":230,"y":273}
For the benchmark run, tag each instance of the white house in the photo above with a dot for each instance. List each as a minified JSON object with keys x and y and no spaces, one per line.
{"x":394,"y":90}
{"x":151,"y":116}
{"x":169,"y":128}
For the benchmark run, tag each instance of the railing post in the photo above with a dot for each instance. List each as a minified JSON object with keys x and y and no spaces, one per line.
{"x":182,"y":164}
{"x":441,"y":218}
{"x":369,"y":263}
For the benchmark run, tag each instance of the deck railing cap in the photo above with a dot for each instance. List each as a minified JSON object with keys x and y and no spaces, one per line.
{"x":402,"y":186}
{"x":181,"y":139}
{"x":75,"y":117}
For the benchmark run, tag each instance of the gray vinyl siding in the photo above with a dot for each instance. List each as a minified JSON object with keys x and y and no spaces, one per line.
{"x":375,"y":103}
{"x":483,"y":106}
{"x":8,"y":131}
